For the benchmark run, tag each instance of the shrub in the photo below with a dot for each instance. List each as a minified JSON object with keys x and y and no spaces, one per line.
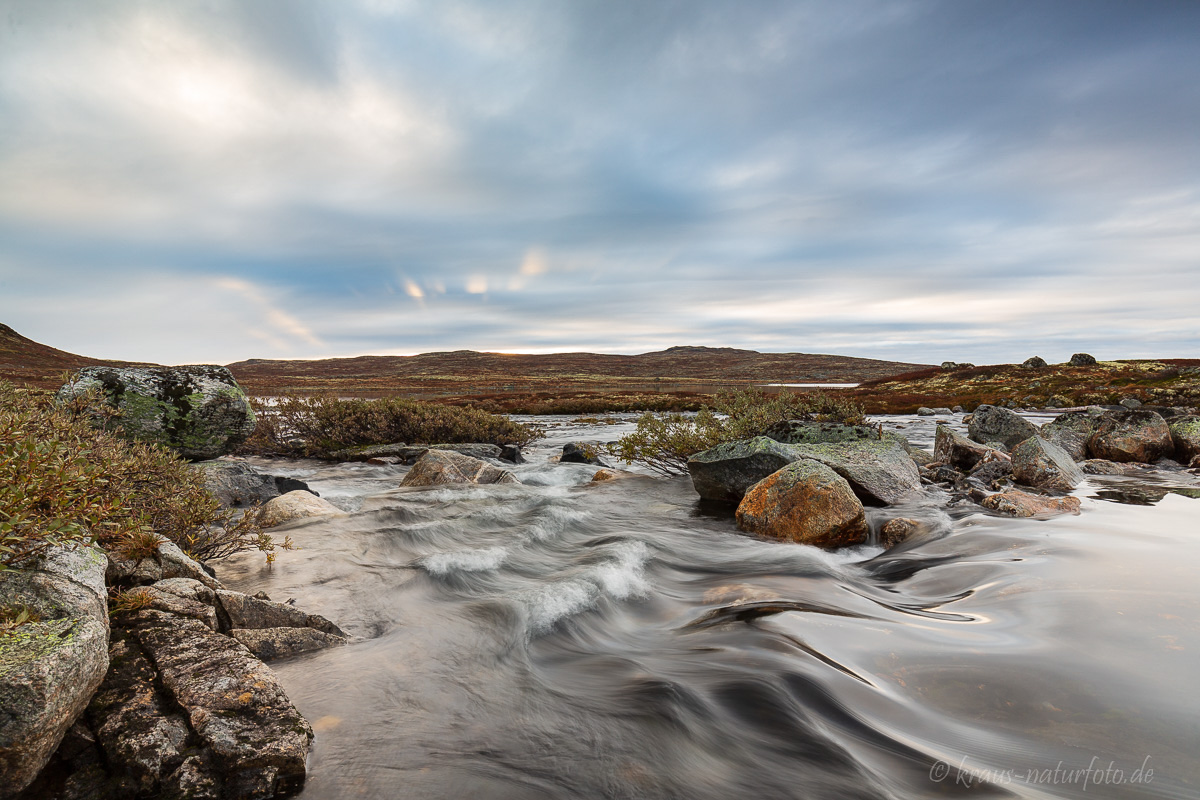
{"x":664,"y":443}
{"x":63,"y":481}
{"x":322,"y":424}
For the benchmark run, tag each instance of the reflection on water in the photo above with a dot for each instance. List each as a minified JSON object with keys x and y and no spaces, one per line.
{"x":561,"y":640}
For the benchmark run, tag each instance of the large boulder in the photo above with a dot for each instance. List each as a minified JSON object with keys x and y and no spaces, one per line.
{"x":725,"y":472}
{"x":1071,"y":432}
{"x":293,"y":506}
{"x":200,"y":411}
{"x":804,"y":502}
{"x":1185,"y":436}
{"x":1034,"y":362}
{"x":52,"y":664}
{"x":995,"y":424}
{"x":1015,"y":503}
{"x":879,"y":472}
{"x":1131,"y":435}
{"x":445,"y":467}
{"x":951,"y":447}
{"x":236,"y":484}
{"x":1082,"y":360}
{"x":1041,"y":463}
{"x":798,"y":431}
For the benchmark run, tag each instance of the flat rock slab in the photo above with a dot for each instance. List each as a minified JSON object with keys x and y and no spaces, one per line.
{"x":879,"y":472}
{"x":726,"y":472}
{"x":1015,"y":503}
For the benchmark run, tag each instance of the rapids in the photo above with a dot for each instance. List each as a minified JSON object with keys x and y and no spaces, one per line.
{"x":620,"y":640}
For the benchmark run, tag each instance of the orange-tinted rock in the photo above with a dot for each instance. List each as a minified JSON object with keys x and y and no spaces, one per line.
{"x":1014,"y":503}
{"x":804,"y":502}
{"x":1133,"y":435}
{"x":899,"y":530}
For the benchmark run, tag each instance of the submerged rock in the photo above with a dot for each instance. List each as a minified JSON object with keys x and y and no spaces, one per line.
{"x":50,"y":665}
{"x":725,"y":472}
{"x":293,"y":506}
{"x":992,"y":423}
{"x":1015,"y":503}
{"x":445,"y":467}
{"x":901,"y":529}
{"x":199,"y":411}
{"x":879,"y":472}
{"x":1130,"y":435}
{"x":804,"y":502}
{"x":1043,"y":464}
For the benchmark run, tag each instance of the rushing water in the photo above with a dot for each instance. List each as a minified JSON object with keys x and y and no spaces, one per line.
{"x":618,"y":640}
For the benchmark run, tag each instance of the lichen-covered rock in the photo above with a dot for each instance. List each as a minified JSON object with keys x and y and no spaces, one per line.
{"x":1099,"y":466}
{"x":1071,"y":432}
{"x":236,"y":484}
{"x":1082,"y":360}
{"x":51,"y":665}
{"x":293,"y":506}
{"x":233,"y":702}
{"x":248,"y":612}
{"x":270,"y":644}
{"x":1131,"y":435}
{"x":1015,"y":503}
{"x":994,"y":466}
{"x":798,"y":431}
{"x":445,"y":467}
{"x":900,"y":529}
{"x":950,"y":447}
{"x":181,"y":605}
{"x":1043,"y":464}
{"x":725,"y":472}
{"x":1185,"y":436}
{"x":1034,"y":362}
{"x":409,"y":453}
{"x":992,"y":423}
{"x":925,"y":411}
{"x":200,"y":411}
{"x":168,"y":562}
{"x":879,"y":472}
{"x":804,"y":502}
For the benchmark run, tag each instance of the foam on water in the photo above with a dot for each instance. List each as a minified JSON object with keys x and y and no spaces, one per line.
{"x":480,"y":560}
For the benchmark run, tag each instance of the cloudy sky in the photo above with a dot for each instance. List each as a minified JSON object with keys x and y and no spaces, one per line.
{"x":985,"y":181}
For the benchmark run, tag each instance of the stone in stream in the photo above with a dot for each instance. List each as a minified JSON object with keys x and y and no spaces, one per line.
{"x":805,"y":502}
{"x":950,"y":447}
{"x":898,"y":530}
{"x":580,"y":453}
{"x":992,"y":423}
{"x":1131,"y":435}
{"x":294,"y":506}
{"x":725,"y":472}
{"x":1185,"y":436}
{"x":880,"y":472}
{"x":1043,"y":464}
{"x":1015,"y":503}
{"x":445,"y":467}
{"x":1071,"y":431}
{"x":199,"y":411}
{"x":51,"y":664}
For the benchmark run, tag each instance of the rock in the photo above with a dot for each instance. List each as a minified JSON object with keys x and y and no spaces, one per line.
{"x":270,"y":644}
{"x":925,"y":412}
{"x":1099,"y":466}
{"x":182,"y":606}
{"x":956,"y":450}
{"x":1015,"y":503}
{"x":251,"y":613}
{"x":1036,"y":362}
{"x":922,"y":458}
{"x":1194,"y":463}
{"x":804,"y":502}
{"x":901,"y":529}
{"x":143,"y":737}
{"x":1082,"y":360}
{"x":879,"y":472}
{"x":796,"y":431}
{"x":1071,"y":432}
{"x":168,"y":562}
{"x":948,"y":365}
{"x":991,"y":468}
{"x":1130,"y":435}
{"x":385,"y":461}
{"x":411,"y":453}
{"x":472,"y":449}
{"x":991,"y":423}
{"x":511,"y":453}
{"x":444,"y":467}
{"x":236,"y":484}
{"x":285,"y":485}
{"x":293,"y":506}
{"x":233,"y":702}
{"x":50,"y":665}
{"x":1132,"y":402}
{"x":725,"y":472}
{"x":199,"y":411}
{"x":1185,"y":437}
{"x":957,"y":410}
{"x":576,"y":453}
{"x":942,"y":411}
{"x":1043,"y":464}
{"x":1057,"y":401}
{"x":607,"y":474}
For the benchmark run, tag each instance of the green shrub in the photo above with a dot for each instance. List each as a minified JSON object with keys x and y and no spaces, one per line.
{"x":64,"y":481}
{"x":323,"y":424}
{"x":664,"y":442}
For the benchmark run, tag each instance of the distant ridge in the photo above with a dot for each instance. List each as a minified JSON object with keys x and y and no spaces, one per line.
{"x":25,"y":361}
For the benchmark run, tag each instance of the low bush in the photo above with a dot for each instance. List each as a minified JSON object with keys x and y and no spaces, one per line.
{"x":665,"y":442}
{"x":320,"y":425}
{"x":65,"y":481}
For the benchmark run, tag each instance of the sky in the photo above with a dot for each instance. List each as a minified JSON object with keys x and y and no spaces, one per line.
{"x":211,"y":181}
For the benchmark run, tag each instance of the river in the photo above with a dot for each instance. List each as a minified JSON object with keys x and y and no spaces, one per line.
{"x":564,"y":640}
